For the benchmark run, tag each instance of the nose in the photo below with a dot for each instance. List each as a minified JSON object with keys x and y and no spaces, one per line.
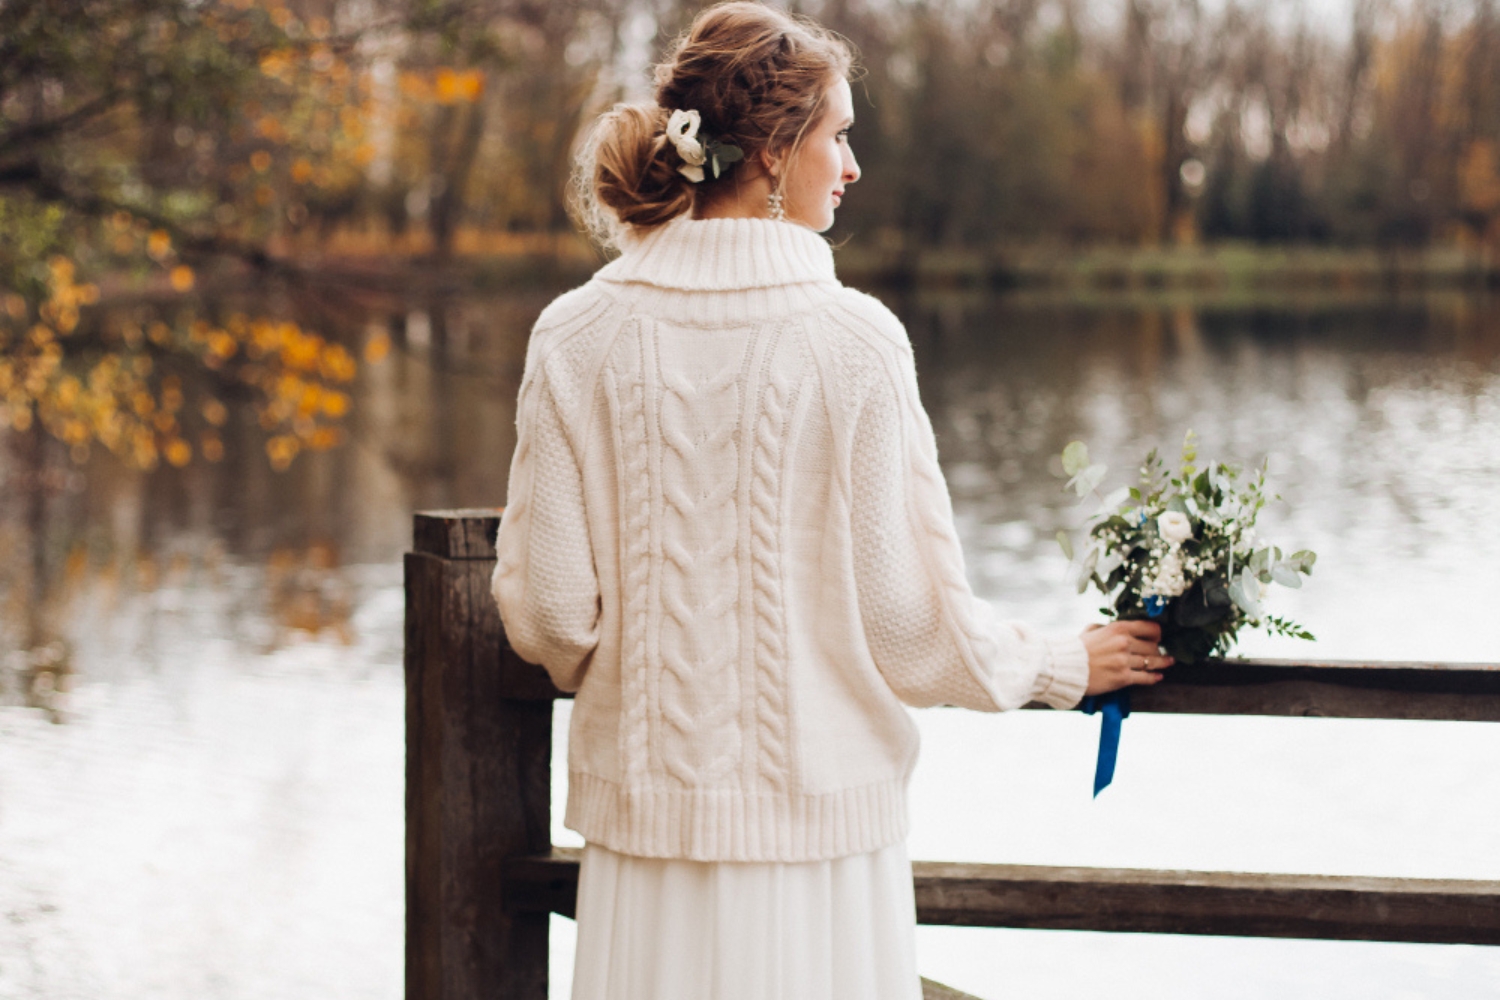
{"x":851,"y":166}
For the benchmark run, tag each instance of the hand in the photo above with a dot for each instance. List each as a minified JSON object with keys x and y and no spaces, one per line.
{"x":1123,"y":653}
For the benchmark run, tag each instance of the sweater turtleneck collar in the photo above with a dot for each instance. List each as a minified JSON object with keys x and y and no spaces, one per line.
{"x":723,"y":255}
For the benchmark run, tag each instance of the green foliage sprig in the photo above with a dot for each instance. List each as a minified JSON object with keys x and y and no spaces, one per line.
{"x":1180,"y":549}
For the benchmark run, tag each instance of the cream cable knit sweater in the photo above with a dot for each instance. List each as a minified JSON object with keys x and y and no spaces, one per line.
{"x":728,"y":533}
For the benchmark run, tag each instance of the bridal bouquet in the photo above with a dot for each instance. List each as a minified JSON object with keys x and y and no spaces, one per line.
{"x":1181,"y":550}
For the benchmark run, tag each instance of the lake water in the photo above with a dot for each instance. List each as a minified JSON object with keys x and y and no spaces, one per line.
{"x":208,"y":802}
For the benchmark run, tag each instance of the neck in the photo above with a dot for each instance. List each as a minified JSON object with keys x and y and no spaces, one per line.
{"x":746,"y":199}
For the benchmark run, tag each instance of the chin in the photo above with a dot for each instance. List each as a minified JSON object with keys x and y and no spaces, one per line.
{"x":820,"y":224}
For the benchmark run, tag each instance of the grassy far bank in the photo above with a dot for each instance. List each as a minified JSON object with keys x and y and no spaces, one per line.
{"x":1216,"y":269}
{"x":1227,"y":270}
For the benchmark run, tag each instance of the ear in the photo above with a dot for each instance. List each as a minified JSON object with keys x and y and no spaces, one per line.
{"x":770,"y":164}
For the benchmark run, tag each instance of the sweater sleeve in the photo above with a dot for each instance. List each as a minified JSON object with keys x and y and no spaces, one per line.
{"x":932,"y":639}
{"x":544,"y":581}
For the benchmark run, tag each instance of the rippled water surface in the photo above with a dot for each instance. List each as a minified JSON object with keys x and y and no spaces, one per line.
{"x":204,"y":799}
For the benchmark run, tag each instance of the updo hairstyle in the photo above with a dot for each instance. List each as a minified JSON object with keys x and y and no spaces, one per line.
{"x":758,"y":77}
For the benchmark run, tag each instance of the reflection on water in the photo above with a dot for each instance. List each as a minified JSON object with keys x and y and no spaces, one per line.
{"x":219,"y":809}
{"x":1378,"y":423}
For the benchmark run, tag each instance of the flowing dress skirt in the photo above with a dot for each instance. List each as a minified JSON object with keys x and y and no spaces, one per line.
{"x":666,"y":929}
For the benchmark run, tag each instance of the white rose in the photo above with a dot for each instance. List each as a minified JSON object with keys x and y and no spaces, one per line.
{"x":1174,"y":527}
{"x":682,"y":132}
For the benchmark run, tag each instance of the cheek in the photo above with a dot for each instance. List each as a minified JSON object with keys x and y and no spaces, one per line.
{"x":830,"y":168}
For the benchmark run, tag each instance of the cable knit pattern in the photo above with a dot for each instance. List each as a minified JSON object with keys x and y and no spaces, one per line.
{"x":700,"y":594}
{"x":728,"y":532}
{"x":628,"y":410}
{"x":777,"y":400}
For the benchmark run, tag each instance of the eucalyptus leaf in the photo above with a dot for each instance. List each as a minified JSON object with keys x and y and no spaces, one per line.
{"x":722,"y":154}
{"x":1087,"y":572}
{"x":1286,"y":575}
{"x":1089,"y":479}
{"x":1304,"y":559}
{"x":1115,"y":499}
{"x":1245,"y":591}
{"x":1075,"y":458}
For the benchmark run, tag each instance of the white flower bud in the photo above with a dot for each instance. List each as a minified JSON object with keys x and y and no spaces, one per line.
{"x":1174,"y":527}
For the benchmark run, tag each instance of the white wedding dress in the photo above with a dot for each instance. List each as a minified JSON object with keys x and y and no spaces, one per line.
{"x":666,"y":929}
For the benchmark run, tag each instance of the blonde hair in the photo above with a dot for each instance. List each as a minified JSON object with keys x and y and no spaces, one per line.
{"x":758,"y":77}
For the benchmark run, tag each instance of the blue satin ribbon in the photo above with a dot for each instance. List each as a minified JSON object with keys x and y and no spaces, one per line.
{"x":1113,"y":708}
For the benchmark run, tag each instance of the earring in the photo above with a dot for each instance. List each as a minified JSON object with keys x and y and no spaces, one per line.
{"x":776,"y":208}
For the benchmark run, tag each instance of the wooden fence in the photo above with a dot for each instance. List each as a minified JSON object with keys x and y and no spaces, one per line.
{"x":482,"y":876}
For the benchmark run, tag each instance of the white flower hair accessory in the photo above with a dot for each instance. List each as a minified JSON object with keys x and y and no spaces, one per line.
{"x":682,"y":132}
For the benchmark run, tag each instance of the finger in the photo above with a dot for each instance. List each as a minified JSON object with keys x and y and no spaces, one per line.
{"x":1150,"y":631}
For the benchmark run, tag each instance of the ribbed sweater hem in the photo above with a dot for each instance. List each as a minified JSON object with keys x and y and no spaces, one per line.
{"x":730,"y":825}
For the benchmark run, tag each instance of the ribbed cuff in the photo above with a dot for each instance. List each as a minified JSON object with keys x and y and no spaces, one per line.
{"x":1067,"y":676}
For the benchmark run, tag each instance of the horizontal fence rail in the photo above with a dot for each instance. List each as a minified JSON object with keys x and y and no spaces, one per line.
{"x":1240,"y":904}
{"x":483,"y":877}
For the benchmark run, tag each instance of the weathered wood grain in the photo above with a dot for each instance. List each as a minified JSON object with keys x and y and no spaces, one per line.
{"x":937,"y":991}
{"x":478,"y":779}
{"x":457,"y":534}
{"x":1139,"y":900}
{"x":1218,"y":903}
{"x":1455,"y":692}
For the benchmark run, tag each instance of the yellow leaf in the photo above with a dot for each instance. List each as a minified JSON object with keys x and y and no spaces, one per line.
{"x":222,"y":344}
{"x":324,"y":438}
{"x":179,"y":452}
{"x":281,"y":449}
{"x":377,"y":347}
{"x":335,"y":404}
{"x":182,"y":278}
{"x":68,"y":391}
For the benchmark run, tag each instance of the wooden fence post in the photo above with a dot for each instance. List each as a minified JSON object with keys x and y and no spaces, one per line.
{"x":477,"y":775}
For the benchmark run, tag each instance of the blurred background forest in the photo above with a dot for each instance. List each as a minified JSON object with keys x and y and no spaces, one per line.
{"x":148,"y":147}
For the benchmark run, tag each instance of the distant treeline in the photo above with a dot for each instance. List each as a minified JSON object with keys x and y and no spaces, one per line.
{"x":1138,"y":121}
{"x":1165,"y":120}
{"x":1135,"y":121}
{"x":233,"y":126}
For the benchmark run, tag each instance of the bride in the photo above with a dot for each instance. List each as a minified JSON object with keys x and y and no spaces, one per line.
{"x":728,"y":533}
